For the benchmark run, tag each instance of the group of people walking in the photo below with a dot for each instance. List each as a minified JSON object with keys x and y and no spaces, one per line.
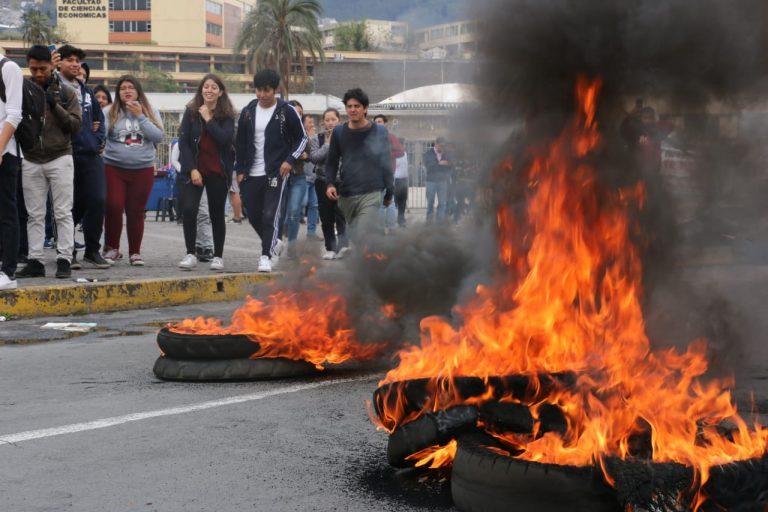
{"x":91,"y":161}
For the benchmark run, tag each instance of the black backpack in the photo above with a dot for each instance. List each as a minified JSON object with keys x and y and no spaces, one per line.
{"x":30,"y":130}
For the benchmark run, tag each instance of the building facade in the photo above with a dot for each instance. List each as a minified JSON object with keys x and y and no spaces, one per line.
{"x":189,"y":23}
{"x":382,"y":34}
{"x":451,"y":40}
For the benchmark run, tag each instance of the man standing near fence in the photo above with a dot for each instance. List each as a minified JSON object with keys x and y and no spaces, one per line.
{"x":90,"y":186}
{"x":438,"y":179}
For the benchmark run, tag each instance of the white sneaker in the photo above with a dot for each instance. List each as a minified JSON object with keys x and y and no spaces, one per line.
{"x":329,"y":255}
{"x":217,"y":263}
{"x":278,"y":248}
{"x":265,"y":265}
{"x":342,"y":252}
{"x":189,"y":262}
{"x":6,"y":283}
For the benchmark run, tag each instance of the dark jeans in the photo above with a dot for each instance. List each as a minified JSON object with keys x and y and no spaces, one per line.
{"x":331,"y":219}
{"x":401,"y":199}
{"x":10,"y":170}
{"x":21,"y":211}
{"x":263,"y":197}
{"x":189,"y":199}
{"x":439,"y":190}
{"x":90,"y":195}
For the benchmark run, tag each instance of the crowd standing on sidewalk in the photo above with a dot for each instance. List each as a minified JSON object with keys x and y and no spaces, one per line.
{"x":75,"y":156}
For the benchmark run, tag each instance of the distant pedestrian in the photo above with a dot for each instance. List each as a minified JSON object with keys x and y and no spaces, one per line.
{"x":206,"y":136}
{"x":389,"y":213}
{"x":87,"y":145}
{"x":134,"y":128}
{"x":438,"y":179}
{"x":401,"y":186}
{"x":331,"y":219}
{"x":11,"y":86}
{"x":270,"y":139}
{"x":301,"y":180}
{"x":49,"y":167}
{"x":359,"y":167}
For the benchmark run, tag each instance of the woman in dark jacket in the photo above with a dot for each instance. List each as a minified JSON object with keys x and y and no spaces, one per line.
{"x":207,"y":158}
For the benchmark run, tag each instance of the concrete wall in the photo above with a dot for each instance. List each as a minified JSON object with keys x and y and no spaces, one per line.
{"x":382,"y":79}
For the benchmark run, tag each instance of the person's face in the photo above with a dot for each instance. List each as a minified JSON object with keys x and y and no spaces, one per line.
{"x":309,"y":124}
{"x":439,"y":147}
{"x":380,"y":120}
{"x":101,"y":97}
{"x":128,"y":92}
{"x":70,"y":67}
{"x":81,"y":76}
{"x":355,"y":110}
{"x":331,"y":121}
{"x":211,"y":91}
{"x":266,"y":96}
{"x":40,"y":71}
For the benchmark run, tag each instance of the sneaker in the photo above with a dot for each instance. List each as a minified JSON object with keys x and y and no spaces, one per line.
{"x":189,"y":262}
{"x":329,"y":255}
{"x":63,"y":269}
{"x":49,"y":243}
{"x":136,"y":260}
{"x":279,"y":246}
{"x":204,"y":255}
{"x":95,"y":260}
{"x":235,"y":221}
{"x":217,"y":263}
{"x":265,"y":265}
{"x":112,"y":255}
{"x":6,"y":283}
{"x":33,"y":268}
{"x":342,"y":252}
{"x":75,"y":265}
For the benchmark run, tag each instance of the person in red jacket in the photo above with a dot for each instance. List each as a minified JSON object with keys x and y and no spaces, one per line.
{"x":389,"y":213}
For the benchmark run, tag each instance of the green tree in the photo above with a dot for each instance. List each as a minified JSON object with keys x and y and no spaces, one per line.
{"x":280,"y":33}
{"x":352,"y":37}
{"x":36,"y":28}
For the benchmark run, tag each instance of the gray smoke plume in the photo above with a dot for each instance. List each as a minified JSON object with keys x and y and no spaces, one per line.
{"x":688,"y":59}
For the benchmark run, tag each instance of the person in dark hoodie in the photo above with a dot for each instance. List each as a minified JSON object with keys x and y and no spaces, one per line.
{"x":359,"y":167}
{"x":87,"y":145}
{"x":49,"y":167}
{"x":205,"y":153}
{"x":270,"y":139}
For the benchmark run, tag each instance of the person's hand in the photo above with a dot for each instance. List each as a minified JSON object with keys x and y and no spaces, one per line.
{"x":96,"y":126}
{"x":134,"y":107}
{"x":52,"y":97}
{"x":240,"y":178}
{"x":304,"y":156}
{"x":285,"y":169}
{"x":332,"y":194}
{"x":55,"y":59}
{"x":205,"y":113}
{"x":197,"y":178}
{"x":444,"y":162}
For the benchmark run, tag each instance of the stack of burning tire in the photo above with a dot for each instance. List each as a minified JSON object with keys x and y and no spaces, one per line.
{"x":220,"y":357}
{"x":481,"y":431}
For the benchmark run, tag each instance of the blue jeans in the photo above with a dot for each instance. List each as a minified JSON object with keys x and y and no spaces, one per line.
{"x":388,"y":214}
{"x":297,"y":199}
{"x":313,"y":211}
{"x":437,"y":189}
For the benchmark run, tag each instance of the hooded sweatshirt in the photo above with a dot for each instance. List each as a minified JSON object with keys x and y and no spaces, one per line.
{"x":131,"y":141}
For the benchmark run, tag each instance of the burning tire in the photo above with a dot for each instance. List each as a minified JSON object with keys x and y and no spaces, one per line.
{"x":486,"y":481}
{"x":209,"y":347}
{"x":167,"y":368}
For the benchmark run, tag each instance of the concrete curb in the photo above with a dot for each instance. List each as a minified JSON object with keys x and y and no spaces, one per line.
{"x":82,"y":299}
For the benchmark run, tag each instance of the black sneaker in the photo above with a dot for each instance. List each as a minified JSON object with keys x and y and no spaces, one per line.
{"x":96,"y":260}
{"x":76,"y":265}
{"x":33,"y":268}
{"x":63,"y":269}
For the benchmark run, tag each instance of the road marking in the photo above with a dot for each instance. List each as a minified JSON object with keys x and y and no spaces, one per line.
{"x":128,"y":418}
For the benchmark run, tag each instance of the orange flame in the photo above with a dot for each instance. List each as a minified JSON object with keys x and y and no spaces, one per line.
{"x":567,"y":298}
{"x":435,"y":457}
{"x":309,"y":325}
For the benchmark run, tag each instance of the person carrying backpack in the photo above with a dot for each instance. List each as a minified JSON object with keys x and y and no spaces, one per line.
{"x":48,"y":165}
{"x":11,"y":87}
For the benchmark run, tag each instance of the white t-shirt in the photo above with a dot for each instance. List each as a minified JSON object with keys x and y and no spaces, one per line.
{"x":401,"y":167}
{"x":10,"y":110}
{"x":263,"y":116}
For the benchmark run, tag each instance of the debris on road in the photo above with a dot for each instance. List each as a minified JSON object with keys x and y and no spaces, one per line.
{"x":69,"y":326}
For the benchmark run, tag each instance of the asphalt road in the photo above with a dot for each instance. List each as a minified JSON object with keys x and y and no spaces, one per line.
{"x":308,"y":445}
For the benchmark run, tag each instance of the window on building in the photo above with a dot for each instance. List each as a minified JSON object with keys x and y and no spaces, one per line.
{"x":436,"y":33}
{"x":453,"y":30}
{"x":130,"y":26}
{"x":130,"y":5}
{"x":213,"y":29}
{"x":213,"y":7}
{"x":194,"y":63}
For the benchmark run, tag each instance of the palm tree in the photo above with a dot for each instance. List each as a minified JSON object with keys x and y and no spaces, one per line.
{"x":36,"y":27}
{"x":279,"y":33}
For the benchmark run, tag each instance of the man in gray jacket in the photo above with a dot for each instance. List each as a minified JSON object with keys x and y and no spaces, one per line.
{"x":49,"y":166}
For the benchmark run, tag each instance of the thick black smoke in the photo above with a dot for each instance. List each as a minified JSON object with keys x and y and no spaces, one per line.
{"x":688,"y":59}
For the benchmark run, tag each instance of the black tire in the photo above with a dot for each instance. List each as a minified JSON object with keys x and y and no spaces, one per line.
{"x":192,"y":346}
{"x":485,"y":481}
{"x":232,"y":369}
{"x":431,"y":429}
